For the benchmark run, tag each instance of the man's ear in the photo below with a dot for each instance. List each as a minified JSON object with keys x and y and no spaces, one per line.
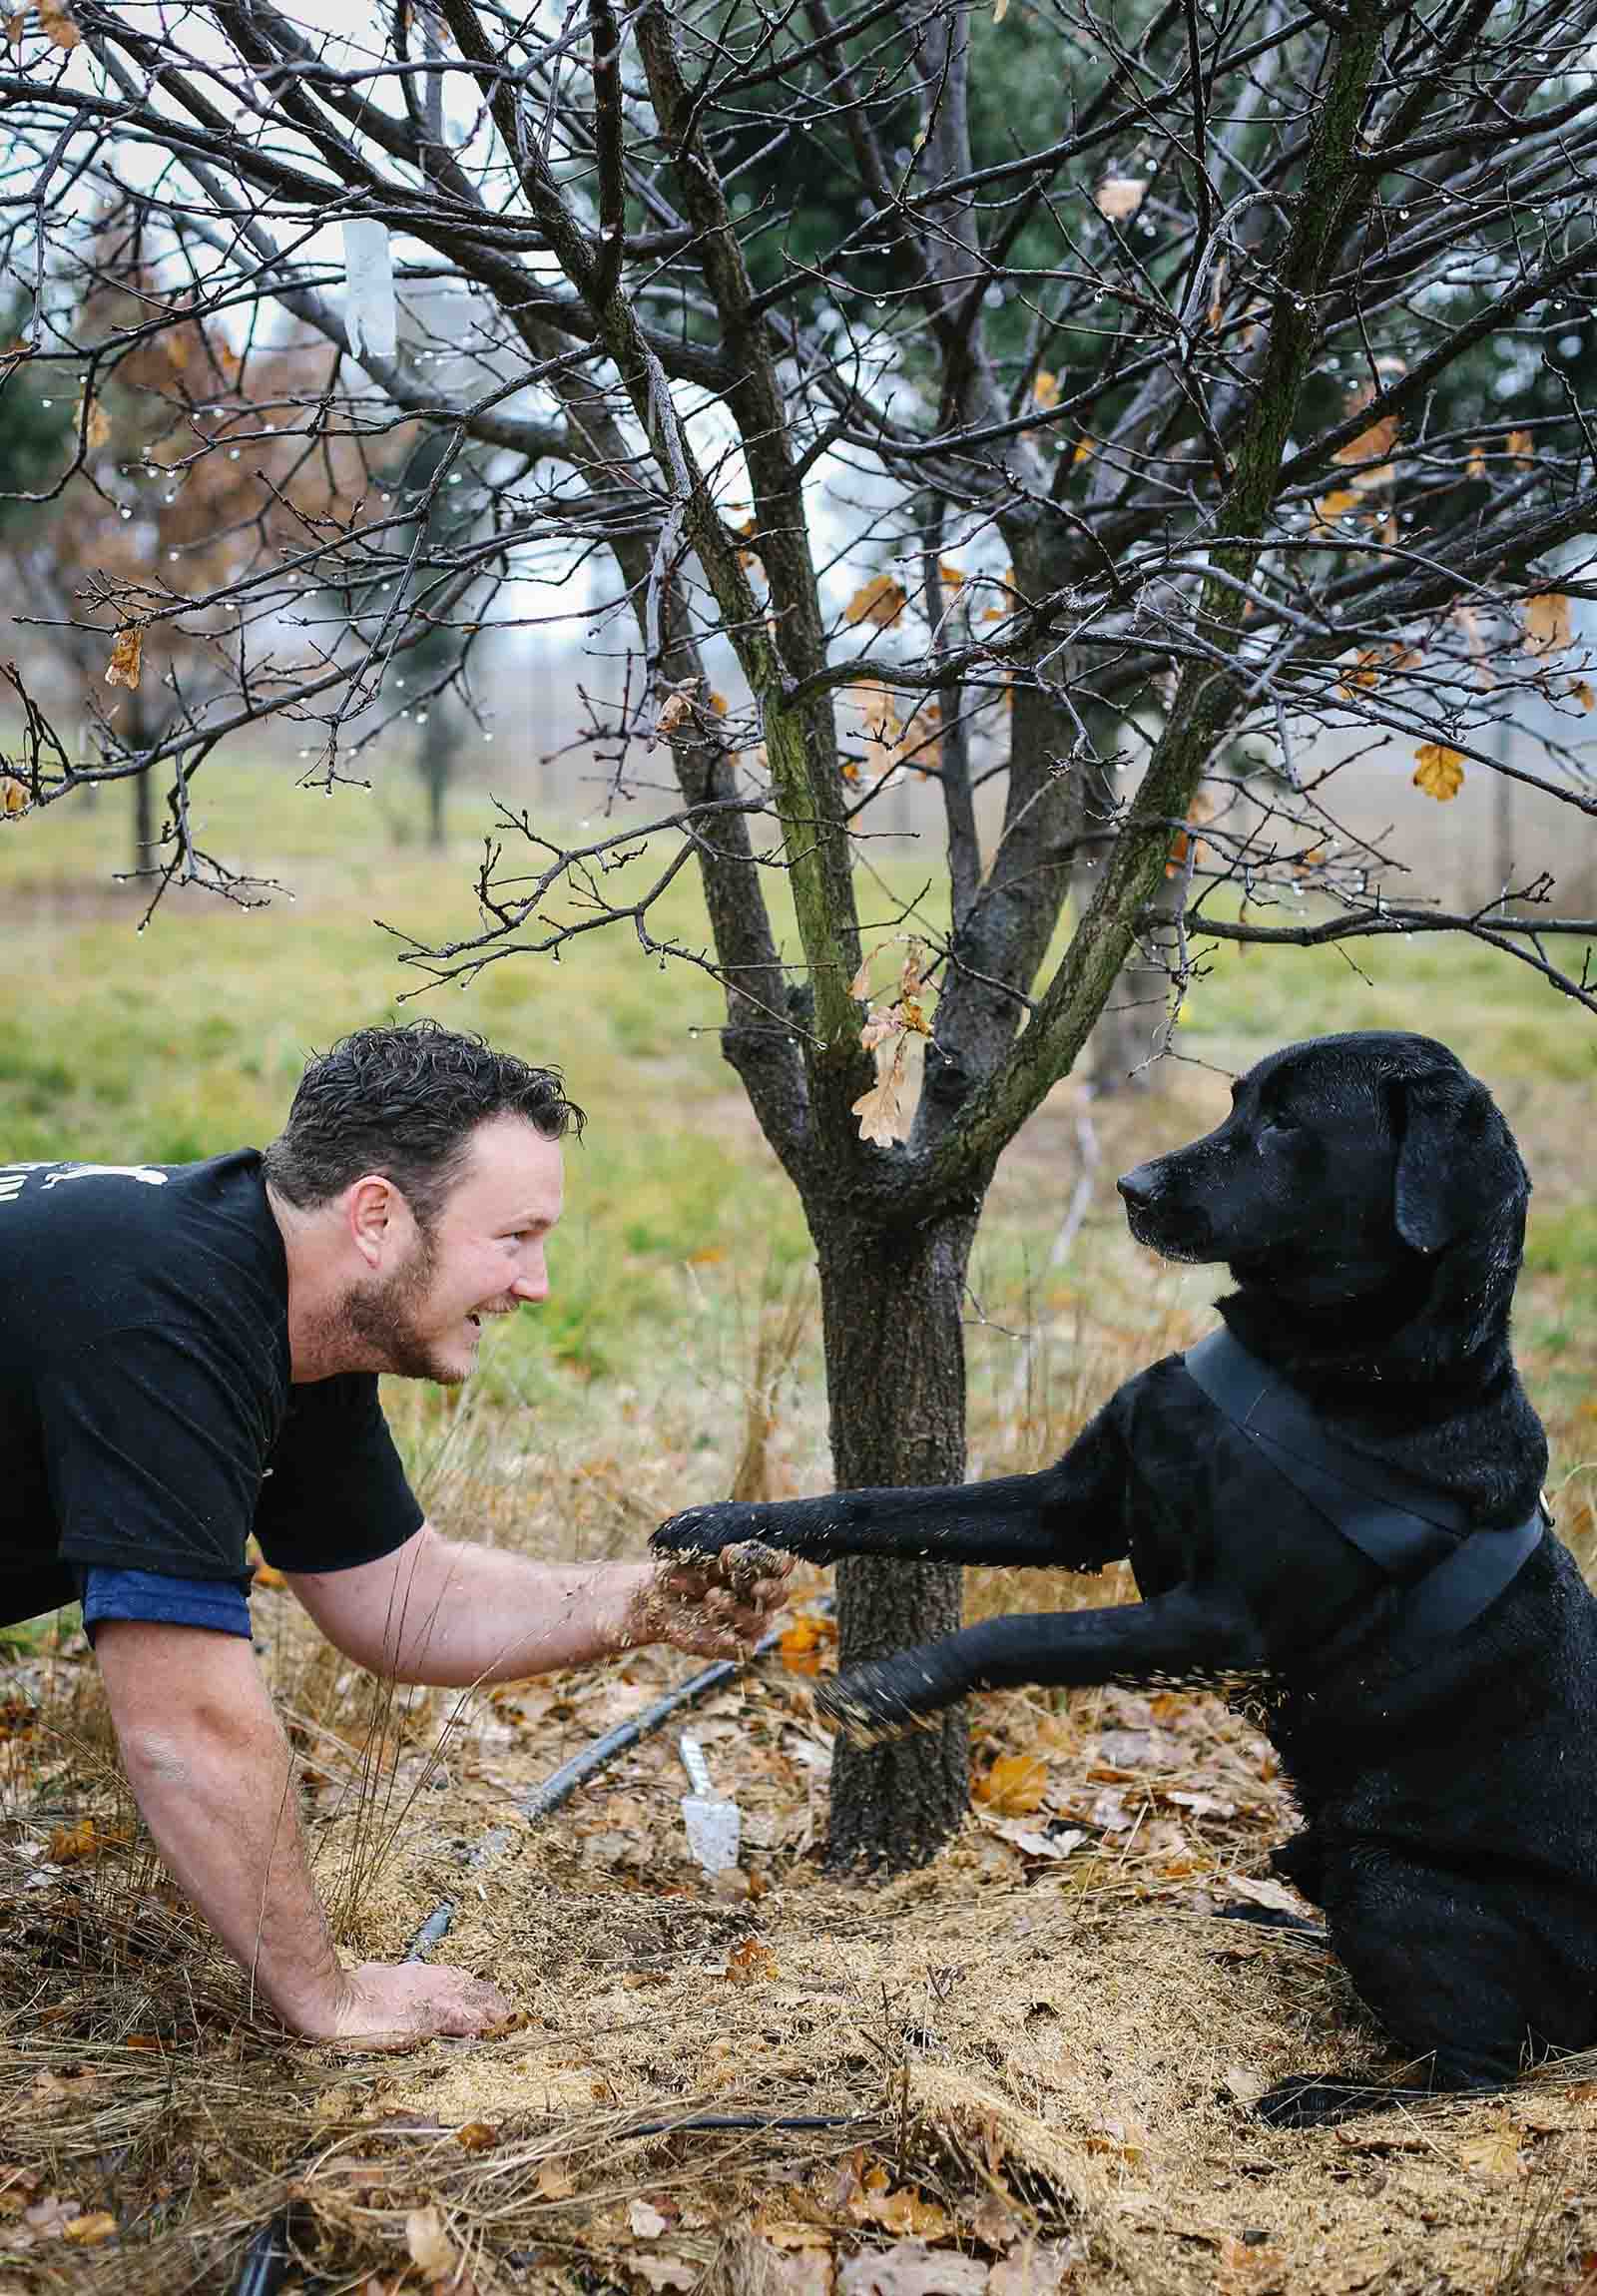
{"x":372,"y":1204}
{"x":1458,"y":1167}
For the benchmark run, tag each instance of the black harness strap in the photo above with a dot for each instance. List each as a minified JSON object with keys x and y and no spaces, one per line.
{"x":1415,"y":1534}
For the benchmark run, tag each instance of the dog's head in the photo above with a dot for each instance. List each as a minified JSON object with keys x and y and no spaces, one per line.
{"x":1344,"y":1161}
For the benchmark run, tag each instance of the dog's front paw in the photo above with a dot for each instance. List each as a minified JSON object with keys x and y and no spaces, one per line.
{"x":1320,"y":2101}
{"x":708,"y":1530}
{"x":874,"y":1701}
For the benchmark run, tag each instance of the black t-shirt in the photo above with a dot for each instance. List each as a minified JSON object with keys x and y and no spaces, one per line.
{"x":146,"y":1420}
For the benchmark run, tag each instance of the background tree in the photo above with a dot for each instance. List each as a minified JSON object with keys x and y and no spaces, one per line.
{"x":1108,"y":430}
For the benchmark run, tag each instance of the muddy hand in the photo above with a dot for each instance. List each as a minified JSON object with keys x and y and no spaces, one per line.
{"x":717,"y":1605}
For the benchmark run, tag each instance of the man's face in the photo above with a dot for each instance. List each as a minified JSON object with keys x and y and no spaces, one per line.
{"x":484,"y":1256}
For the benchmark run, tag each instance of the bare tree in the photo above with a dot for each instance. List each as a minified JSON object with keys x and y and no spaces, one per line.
{"x":1093,"y":412}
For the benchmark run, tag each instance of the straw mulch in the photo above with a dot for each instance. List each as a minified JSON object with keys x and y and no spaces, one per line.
{"x":1036,"y":2055}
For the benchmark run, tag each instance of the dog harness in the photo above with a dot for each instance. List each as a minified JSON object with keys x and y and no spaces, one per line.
{"x":1418,"y":1536}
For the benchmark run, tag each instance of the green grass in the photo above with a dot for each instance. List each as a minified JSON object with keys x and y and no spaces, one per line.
{"x":188,"y":1038}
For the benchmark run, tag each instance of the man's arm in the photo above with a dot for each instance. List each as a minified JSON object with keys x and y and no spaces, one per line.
{"x":213,"y":1774}
{"x":447,"y":1613}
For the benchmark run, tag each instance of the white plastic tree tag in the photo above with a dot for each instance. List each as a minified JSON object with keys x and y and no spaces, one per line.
{"x":368,"y":287}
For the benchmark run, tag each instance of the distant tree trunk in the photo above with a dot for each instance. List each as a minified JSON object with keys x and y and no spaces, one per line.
{"x":891,"y":1301}
{"x":144,"y":820}
{"x":435,"y":759}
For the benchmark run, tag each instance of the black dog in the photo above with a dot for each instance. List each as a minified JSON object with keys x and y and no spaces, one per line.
{"x":1342,"y":1512}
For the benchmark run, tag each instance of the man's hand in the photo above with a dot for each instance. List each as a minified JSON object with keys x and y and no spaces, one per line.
{"x":381,"y":2006}
{"x":716,"y":1605}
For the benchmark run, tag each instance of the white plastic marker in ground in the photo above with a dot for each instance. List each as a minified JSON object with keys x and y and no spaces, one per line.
{"x":715,"y":1827}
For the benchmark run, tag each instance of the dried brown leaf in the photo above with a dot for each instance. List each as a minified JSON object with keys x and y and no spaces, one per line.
{"x":430,"y":2247}
{"x":1439,"y":772}
{"x":55,"y":22}
{"x":1548,"y":626}
{"x":881,"y":600}
{"x":123,"y":669}
{"x":1120,"y":196}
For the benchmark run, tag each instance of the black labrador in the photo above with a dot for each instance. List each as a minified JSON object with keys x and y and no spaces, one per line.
{"x":1340,"y":1516}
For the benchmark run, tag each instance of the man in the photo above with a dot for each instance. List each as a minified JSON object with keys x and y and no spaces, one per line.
{"x":189,"y":1353}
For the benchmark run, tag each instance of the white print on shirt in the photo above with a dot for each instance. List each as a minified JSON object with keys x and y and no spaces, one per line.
{"x":12,"y":1179}
{"x":145,"y":1172}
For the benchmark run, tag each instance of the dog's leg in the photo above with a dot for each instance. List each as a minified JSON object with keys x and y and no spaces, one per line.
{"x":1183,"y":1636}
{"x":1068,"y":1517}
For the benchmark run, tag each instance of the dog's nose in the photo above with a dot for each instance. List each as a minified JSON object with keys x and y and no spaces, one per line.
{"x":1139,"y":1187}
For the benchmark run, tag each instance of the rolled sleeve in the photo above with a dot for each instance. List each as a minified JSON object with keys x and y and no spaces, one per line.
{"x":216,"y":1603}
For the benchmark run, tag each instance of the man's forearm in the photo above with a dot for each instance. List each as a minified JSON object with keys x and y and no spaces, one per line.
{"x":213,"y":1776}
{"x":449,"y":1614}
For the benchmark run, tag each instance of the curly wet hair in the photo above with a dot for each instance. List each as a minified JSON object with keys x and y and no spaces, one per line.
{"x":404,"y":1101}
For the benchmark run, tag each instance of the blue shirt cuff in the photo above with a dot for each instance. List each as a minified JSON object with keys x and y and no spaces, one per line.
{"x":212,"y":1603}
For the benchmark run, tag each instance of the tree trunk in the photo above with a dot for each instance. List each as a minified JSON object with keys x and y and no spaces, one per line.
{"x":144,"y":820}
{"x":891,"y":1298}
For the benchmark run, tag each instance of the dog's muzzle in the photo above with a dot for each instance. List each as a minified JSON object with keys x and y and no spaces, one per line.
{"x":1180,"y":1231}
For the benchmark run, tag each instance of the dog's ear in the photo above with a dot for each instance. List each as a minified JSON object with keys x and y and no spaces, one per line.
{"x":1457,"y":1166}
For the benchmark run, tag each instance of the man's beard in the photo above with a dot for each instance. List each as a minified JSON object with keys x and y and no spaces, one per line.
{"x":382,"y":1319}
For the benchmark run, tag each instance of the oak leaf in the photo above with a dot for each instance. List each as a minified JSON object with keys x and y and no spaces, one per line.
{"x":749,"y":1963}
{"x":673,"y":709}
{"x":1521,"y":448}
{"x":1440,"y":771}
{"x":801,"y":1644}
{"x":1581,"y":692}
{"x":123,"y":669}
{"x":1495,"y":2152}
{"x":1547,"y":624}
{"x":55,"y":22}
{"x":1045,"y":389}
{"x":1014,"y":1786}
{"x":476,"y":2135}
{"x":1120,"y":196}
{"x":881,"y":1114}
{"x":88,"y":2231}
{"x":13,"y":794}
{"x":881,"y":600}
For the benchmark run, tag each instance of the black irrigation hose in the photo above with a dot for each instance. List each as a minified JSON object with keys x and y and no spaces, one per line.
{"x":269,"y":2257}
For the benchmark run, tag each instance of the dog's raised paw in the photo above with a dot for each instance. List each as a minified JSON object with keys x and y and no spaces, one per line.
{"x":707,"y":1529}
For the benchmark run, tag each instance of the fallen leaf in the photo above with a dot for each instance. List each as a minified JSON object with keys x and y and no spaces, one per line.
{"x":803,"y":1642}
{"x":881,"y":600}
{"x":662,"y":2271}
{"x":1243,"y":2086}
{"x":476,"y":2135}
{"x":646,"y":2221}
{"x":430,"y":2247}
{"x":88,"y":2231}
{"x":910,"y":2268}
{"x":1037,"y":2268}
{"x":1440,"y":772}
{"x":1030,"y":1842}
{"x":1494,"y":2153}
{"x":69,"y":1845}
{"x":1547,"y":624}
{"x":122,"y":667}
{"x":749,"y":1963}
{"x":1264,"y":1892}
{"x":1250,"y":2268}
{"x":553,"y":2182}
{"x":1014,"y":1786}
{"x":1120,"y":196}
